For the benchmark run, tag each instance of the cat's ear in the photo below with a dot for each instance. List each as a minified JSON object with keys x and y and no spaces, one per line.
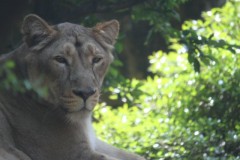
{"x":36,"y":32}
{"x":108,"y":31}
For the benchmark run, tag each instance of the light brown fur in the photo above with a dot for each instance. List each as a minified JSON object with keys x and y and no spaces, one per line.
{"x":65,"y":65}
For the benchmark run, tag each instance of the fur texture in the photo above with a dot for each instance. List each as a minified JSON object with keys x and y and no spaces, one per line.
{"x":65,"y":66}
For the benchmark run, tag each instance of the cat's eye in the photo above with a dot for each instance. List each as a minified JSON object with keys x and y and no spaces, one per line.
{"x":96,"y":60}
{"x":60,"y":59}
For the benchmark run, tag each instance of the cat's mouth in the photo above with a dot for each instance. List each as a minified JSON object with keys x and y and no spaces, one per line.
{"x":72,"y":104}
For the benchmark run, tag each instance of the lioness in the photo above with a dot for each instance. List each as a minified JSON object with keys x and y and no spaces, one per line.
{"x":70,"y":61}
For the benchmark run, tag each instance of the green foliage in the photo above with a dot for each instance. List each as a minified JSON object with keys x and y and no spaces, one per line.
{"x":217,"y":31}
{"x":178,"y":113}
{"x":10,"y":81}
{"x":158,"y":14}
{"x":8,"y":77}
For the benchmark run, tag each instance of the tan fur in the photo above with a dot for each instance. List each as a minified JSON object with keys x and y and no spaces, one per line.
{"x":65,"y":66}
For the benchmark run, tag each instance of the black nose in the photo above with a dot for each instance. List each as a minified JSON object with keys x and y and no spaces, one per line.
{"x":84,"y":93}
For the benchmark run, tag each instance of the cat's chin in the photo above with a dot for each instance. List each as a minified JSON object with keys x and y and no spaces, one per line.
{"x":80,"y":116}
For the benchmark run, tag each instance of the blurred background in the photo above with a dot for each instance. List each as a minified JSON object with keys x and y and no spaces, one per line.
{"x":173,"y":91}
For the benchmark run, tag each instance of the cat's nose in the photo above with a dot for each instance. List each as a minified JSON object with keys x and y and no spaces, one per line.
{"x":84,"y":93}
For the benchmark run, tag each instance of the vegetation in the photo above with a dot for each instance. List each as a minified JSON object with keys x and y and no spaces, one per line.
{"x":188,"y":106}
{"x":179,"y":113}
